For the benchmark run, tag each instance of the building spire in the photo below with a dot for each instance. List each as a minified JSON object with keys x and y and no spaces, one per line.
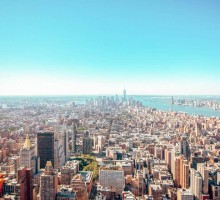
{"x":27,"y":143}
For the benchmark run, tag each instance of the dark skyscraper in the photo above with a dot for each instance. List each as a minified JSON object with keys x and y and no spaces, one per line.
{"x":45,"y":147}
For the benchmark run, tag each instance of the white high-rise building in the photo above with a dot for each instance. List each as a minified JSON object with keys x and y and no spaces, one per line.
{"x":196,"y":183}
{"x":101,"y":142}
{"x":28,"y":157}
{"x":59,"y":158}
{"x":204,"y":171}
{"x":65,"y":143}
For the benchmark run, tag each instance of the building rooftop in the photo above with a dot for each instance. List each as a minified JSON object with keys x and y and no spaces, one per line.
{"x":86,"y":175}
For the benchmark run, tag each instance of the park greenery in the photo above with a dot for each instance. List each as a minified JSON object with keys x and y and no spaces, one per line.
{"x":88,"y":163}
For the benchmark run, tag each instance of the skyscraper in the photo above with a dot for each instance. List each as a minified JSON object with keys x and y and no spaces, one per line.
{"x":74,"y":138}
{"x":181,"y":175}
{"x":87,"y":144}
{"x":25,"y":180}
{"x":124,"y":94}
{"x":196,"y":183}
{"x":176,"y":175}
{"x":204,"y":171}
{"x":197,"y":129}
{"x":168,"y":154}
{"x":140,"y":183}
{"x":28,"y":158}
{"x":184,"y":147}
{"x":59,"y":156}
{"x":45,"y":147}
{"x":184,"y":173}
{"x":101,"y":142}
{"x":65,"y":143}
{"x":48,"y":183}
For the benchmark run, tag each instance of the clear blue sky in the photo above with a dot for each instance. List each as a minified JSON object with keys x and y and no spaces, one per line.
{"x":100,"y":47}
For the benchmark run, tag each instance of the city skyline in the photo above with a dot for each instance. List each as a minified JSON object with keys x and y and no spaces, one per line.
{"x":95,"y":47}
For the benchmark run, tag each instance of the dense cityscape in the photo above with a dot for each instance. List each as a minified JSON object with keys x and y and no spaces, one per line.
{"x":212,"y":104}
{"x":109,"y":100}
{"x":107,"y":148}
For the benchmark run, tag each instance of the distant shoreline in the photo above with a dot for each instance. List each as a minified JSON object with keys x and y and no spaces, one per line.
{"x":158,"y":102}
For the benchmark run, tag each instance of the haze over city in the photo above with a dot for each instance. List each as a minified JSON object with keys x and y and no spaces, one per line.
{"x":110,"y":100}
{"x":101,"y":47}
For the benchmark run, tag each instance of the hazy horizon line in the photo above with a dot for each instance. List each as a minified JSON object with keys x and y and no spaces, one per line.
{"x":21,"y":95}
